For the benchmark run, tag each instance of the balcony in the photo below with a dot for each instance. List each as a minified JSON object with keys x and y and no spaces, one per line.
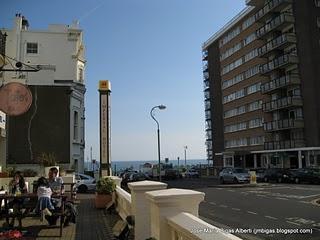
{"x":205,"y":67}
{"x":284,"y":144}
{"x":270,"y":7}
{"x":277,"y":43}
{"x":206,"y":85}
{"x":257,"y":3}
{"x":278,"y":23}
{"x":279,"y":62}
{"x":281,"y":82}
{"x":283,"y":124}
{"x":286,"y":102}
{"x":205,"y":55}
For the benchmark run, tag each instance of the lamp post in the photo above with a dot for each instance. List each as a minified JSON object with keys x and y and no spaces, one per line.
{"x":161,"y":107}
{"x":185,"y":155}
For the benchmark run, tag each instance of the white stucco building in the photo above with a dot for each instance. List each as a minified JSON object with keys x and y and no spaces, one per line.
{"x":55,"y":122}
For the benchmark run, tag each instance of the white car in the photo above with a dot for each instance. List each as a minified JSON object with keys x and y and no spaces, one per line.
{"x":85,"y":183}
{"x":192,"y":173}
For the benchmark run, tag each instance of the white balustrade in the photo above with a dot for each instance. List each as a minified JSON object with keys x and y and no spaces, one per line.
{"x":185,"y":226}
{"x":123,"y":203}
{"x":141,"y":206}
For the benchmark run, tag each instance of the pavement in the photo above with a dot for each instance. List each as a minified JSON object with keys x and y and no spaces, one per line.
{"x":92,"y":223}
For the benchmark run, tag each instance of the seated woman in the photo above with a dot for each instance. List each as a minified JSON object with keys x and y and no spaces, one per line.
{"x":17,"y":186}
{"x":44,"y":192}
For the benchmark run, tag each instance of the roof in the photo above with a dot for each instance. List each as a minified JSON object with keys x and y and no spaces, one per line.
{"x":228,"y":26}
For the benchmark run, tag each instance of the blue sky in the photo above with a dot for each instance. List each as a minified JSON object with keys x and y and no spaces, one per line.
{"x":150,"y":50}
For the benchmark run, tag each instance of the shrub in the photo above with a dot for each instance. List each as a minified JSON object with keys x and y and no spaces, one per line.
{"x":105,"y":186}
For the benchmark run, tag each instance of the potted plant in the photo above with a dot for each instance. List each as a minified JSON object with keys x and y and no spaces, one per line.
{"x":104,"y":192}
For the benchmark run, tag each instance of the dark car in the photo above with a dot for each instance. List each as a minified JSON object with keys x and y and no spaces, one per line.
{"x":309,"y":175}
{"x":277,"y":174}
{"x":172,"y":174}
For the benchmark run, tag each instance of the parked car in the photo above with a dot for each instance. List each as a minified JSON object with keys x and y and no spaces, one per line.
{"x":85,"y":183}
{"x":191,"y":173}
{"x":133,"y":177}
{"x":277,"y":174}
{"x":234,"y":175}
{"x":172,"y":174}
{"x":309,"y":175}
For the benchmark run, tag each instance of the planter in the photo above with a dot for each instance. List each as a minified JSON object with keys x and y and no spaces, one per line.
{"x":102,"y":200}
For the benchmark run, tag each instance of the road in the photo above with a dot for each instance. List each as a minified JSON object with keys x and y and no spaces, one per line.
{"x":274,"y":211}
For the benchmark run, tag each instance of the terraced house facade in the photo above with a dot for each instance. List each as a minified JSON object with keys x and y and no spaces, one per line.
{"x":261,"y":86}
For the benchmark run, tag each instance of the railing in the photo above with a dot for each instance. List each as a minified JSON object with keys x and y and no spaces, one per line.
{"x":286,"y":144}
{"x":270,"y":6}
{"x":185,"y":226}
{"x":282,"y":103}
{"x":145,"y":203}
{"x":281,"y":61}
{"x":280,"y":41}
{"x":275,"y":23}
{"x":280,"y":82}
{"x":283,"y":124}
{"x":123,"y":203}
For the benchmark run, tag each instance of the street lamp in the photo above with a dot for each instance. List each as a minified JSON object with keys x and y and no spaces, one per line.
{"x":161,"y":107}
{"x":185,"y":155}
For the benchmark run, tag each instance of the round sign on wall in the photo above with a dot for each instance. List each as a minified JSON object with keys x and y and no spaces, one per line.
{"x":15,"y":99}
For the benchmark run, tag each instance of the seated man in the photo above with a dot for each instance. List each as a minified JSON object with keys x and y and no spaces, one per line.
{"x":57,"y":187}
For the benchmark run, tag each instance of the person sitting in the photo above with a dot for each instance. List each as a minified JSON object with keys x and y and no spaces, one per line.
{"x":17,"y":186}
{"x":44,"y":192}
{"x":57,"y":187}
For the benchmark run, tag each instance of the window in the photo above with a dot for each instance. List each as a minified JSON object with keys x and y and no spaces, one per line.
{"x":75,"y":125}
{"x":251,"y":55}
{"x":254,"y":88}
{"x":235,"y":127}
{"x":249,"y":39}
{"x":32,"y":48}
{"x":229,"y":36}
{"x":247,"y":23}
{"x":258,"y":122}
{"x":232,"y":66}
{"x":80,"y":77}
{"x":257,"y":140}
{"x":235,"y":112}
{"x":255,"y":105}
{"x":233,"y":96}
{"x":230,"y":51}
{"x":317,"y":3}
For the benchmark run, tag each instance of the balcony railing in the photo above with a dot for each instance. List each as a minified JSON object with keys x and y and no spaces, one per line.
{"x":256,"y":3}
{"x":279,"y":42}
{"x":205,"y":55}
{"x":283,"y":124}
{"x":285,"y":102}
{"x":279,"y":83}
{"x":279,"y":62}
{"x":277,"y":23}
{"x":271,"y":6}
{"x":206,"y":85}
{"x":205,"y":67}
{"x":284,"y":144}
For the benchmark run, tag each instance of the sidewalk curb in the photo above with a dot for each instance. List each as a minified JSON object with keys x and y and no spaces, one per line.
{"x":239,"y":185}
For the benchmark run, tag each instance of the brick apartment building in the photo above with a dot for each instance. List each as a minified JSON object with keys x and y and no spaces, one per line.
{"x":262,"y":84}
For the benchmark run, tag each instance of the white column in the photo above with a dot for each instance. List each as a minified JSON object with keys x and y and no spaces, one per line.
{"x":300,"y":159}
{"x":224,"y":160}
{"x":255,"y":161}
{"x":141,"y":207}
{"x":169,"y":203}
